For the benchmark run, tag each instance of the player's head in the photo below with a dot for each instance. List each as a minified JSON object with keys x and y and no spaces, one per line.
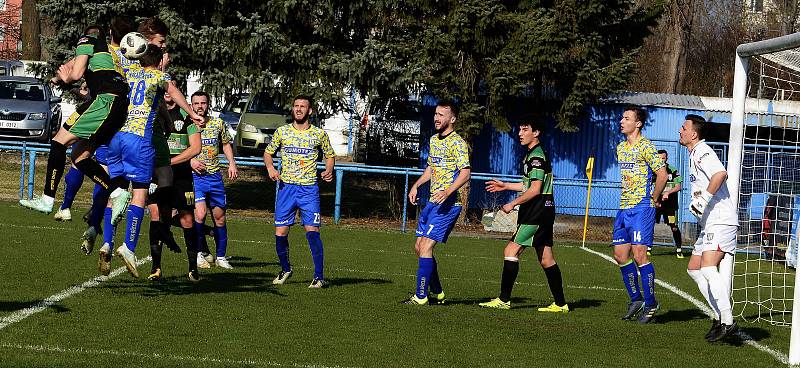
{"x":200,"y":103}
{"x":445,"y":115}
{"x":302,"y":108}
{"x":529,"y":132}
{"x":693,"y":130}
{"x":92,"y":30}
{"x":633,"y":119}
{"x":119,"y":28}
{"x":155,"y":30}
{"x":663,"y":154}
{"x":152,"y":57}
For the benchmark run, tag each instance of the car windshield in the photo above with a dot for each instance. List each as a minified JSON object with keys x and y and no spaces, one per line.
{"x":236,"y":101}
{"x":404,"y":110}
{"x":263,"y":103}
{"x":21,"y":91}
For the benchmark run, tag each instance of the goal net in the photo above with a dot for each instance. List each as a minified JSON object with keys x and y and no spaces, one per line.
{"x":764,"y":175}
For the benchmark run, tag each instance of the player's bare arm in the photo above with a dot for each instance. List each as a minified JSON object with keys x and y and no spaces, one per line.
{"x":274,"y":175}
{"x":424,"y":178}
{"x":233,"y":172}
{"x":180,"y":100}
{"x":534,"y":190}
{"x":661,"y":182}
{"x":495,"y":185}
{"x":327,"y":175}
{"x":193,"y":150}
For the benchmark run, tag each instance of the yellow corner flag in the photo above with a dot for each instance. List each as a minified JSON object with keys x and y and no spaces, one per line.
{"x":589,"y":171}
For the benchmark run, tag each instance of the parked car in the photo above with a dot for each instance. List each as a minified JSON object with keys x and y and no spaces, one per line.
{"x":263,"y":114}
{"x":232,"y":110}
{"x":391,"y":135}
{"x":28,"y":109}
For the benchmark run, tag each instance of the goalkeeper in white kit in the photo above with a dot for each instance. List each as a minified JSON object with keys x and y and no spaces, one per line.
{"x":712,"y":258}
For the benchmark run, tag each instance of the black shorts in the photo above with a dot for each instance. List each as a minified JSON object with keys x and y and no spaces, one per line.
{"x":184,"y":194}
{"x":669,"y":214}
{"x":533,"y":235}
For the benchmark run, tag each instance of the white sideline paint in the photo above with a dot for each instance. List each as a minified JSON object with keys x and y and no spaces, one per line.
{"x":156,"y":356}
{"x":53,"y":299}
{"x":747,"y":339}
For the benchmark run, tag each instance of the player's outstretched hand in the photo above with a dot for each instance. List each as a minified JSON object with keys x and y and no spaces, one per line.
{"x":233,"y":173}
{"x":327,"y":176}
{"x":507,"y":208}
{"x":412,"y":195}
{"x":63,"y":72}
{"x":195,"y":117}
{"x":439,"y":197}
{"x":274,"y":175}
{"x":495,"y":185}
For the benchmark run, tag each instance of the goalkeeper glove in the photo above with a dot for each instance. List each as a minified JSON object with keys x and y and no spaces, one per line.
{"x":700,"y":200}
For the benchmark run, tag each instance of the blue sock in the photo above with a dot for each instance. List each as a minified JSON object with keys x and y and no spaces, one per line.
{"x":315,"y":244}
{"x":221,"y":238}
{"x":435,"y":285}
{"x":133,"y":224}
{"x":99,"y":201}
{"x":282,"y":248}
{"x":198,"y":226}
{"x":108,"y":234}
{"x":73,"y":181}
{"x":631,"y":280}
{"x":423,"y":276}
{"x":648,"y":283}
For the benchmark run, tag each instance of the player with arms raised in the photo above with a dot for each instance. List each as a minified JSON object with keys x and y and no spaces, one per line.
{"x":713,"y":206}
{"x":633,"y":227}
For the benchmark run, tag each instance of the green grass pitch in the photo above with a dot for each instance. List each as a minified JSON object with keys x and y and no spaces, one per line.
{"x":238,"y":318}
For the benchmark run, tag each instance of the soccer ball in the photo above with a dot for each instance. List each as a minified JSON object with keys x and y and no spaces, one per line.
{"x":133,"y":45}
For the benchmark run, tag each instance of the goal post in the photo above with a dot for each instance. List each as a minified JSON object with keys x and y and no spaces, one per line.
{"x":736,"y":161}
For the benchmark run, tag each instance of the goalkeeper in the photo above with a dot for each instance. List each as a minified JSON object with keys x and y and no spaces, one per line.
{"x":712,"y":258}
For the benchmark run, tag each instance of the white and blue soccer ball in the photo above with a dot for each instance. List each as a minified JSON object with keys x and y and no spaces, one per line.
{"x":133,"y":45}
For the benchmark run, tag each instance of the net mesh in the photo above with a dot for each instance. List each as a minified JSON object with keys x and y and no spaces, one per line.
{"x":763,"y":280}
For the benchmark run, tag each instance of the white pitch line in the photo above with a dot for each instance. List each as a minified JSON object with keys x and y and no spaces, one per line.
{"x":37,"y":227}
{"x":779,"y":356}
{"x":55,"y":298}
{"x":158,"y":357}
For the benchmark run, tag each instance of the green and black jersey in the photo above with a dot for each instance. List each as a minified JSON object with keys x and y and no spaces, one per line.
{"x":674,"y":178}
{"x":179,"y":129}
{"x":541,"y":209}
{"x":104,"y":72}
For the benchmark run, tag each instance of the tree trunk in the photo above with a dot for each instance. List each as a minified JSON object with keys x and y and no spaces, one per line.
{"x":31,"y":29}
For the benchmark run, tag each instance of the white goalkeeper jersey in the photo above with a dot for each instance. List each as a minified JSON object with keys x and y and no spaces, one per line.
{"x":703,"y":164}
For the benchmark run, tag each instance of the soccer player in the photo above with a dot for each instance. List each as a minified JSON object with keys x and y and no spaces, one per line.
{"x":209,"y":189}
{"x":299,"y":143}
{"x":74,"y":178}
{"x":94,"y":127}
{"x":534,"y":222}
{"x":633,"y":227}
{"x":668,"y":208}
{"x":184,"y":144}
{"x":448,"y":170}
{"x":131,"y":151}
{"x":711,"y":263}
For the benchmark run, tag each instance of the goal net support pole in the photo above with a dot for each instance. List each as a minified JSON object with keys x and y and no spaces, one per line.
{"x":736,"y":143}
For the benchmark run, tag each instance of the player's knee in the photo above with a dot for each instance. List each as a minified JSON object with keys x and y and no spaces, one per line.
{"x":709,"y":272}
{"x":640,"y":259}
{"x":621,"y":259}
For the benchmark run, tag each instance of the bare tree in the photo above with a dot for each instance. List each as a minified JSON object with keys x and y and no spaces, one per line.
{"x":31,"y":29}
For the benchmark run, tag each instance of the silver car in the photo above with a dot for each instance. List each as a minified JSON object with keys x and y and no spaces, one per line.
{"x":28,"y":109}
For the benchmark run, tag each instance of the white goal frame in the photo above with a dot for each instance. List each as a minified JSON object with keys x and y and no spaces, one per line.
{"x":736,"y":142}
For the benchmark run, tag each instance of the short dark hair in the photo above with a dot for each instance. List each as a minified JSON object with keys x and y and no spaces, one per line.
{"x":92,"y":29}
{"x":304,"y":97}
{"x":200,"y":93}
{"x":153,"y":26}
{"x":119,"y":28}
{"x":641,"y":114}
{"x":663,"y":151}
{"x":450,"y":104}
{"x":152,"y":56}
{"x":532,"y":123}
{"x":699,"y":125}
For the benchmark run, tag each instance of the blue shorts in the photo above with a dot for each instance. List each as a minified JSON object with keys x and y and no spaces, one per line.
{"x":292,"y":197}
{"x":101,"y":154}
{"x":210,"y":188}
{"x":131,"y":156}
{"x":436,"y":221}
{"x":634,"y":226}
